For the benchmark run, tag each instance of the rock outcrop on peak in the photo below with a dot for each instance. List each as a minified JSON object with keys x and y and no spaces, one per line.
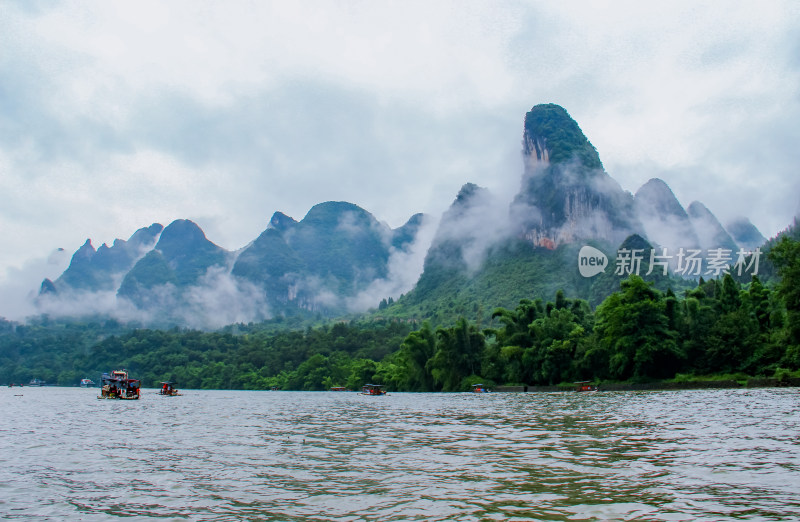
{"x":280,"y":221}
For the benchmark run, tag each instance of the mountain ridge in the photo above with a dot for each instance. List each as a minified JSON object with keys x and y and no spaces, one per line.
{"x":339,"y":254}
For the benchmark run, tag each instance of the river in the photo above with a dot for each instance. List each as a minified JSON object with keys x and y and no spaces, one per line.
{"x":239,"y":455}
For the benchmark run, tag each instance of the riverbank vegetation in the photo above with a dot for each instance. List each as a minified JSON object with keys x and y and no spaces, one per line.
{"x":637,"y":334}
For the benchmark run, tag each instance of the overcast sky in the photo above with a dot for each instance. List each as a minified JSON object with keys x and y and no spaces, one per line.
{"x":115,"y":115}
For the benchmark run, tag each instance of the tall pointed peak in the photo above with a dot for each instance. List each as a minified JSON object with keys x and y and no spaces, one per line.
{"x":709,"y":230}
{"x":565,"y":194}
{"x":745,"y":233}
{"x":656,"y":196}
{"x":84,"y":254}
{"x":333,"y":207}
{"x":469,"y":196}
{"x":86,"y":247}
{"x":552,"y":136}
{"x":47,"y":287}
{"x":183,"y":238}
{"x":697,"y":210}
{"x":330,"y":213}
{"x":280,"y":221}
{"x":183,"y":228}
{"x":145,"y":235}
{"x":467,"y":192}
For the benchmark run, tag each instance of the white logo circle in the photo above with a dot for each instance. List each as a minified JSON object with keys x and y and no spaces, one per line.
{"x":591,"y":261}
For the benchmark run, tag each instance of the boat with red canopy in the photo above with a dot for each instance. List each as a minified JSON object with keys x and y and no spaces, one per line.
{"x":118,"y":385}
{"x":168,"y":388}
{"x":373,"y":389}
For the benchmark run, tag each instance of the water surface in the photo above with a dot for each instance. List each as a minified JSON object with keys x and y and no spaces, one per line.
{"x":236,"y":455}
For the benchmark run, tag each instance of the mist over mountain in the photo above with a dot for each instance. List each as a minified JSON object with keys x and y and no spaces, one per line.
{"x":467,"y":230}
{"x":99,"y":269}
{"x":666,"y":223}
{"x":338,"y":259}
{"x":709,"y":230}
{"x":334,"y":253}
{"x":745,"y":233}
{"x":483,"y":255}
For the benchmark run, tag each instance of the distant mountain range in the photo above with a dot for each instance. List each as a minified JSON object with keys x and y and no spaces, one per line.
{"x":339,"y":258}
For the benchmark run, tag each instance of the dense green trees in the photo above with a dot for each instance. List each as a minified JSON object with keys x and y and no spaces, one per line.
{"x":457,"y":355}
{"x":417,"y":349}
{"x":785,"y":255}
{"x":632,"y":327}
{"x":638,"y":333}
{"x":343,"y":354}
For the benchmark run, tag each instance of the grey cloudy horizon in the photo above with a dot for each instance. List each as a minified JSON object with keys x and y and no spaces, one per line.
{"x":116,"y":115}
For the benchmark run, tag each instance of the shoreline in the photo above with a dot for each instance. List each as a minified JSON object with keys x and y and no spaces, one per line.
{"x":751,"y":383}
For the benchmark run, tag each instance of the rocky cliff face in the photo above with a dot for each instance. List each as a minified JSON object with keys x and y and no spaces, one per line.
{"x":566,"y":195}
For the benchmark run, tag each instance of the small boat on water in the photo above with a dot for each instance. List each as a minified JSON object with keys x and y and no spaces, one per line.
{"x":87,"y":383}
{"x":168,"y":388}
{"x":339,"y":388}
{"x":36,"y":382}
{"x":479,"y":388}
{"x":373,"y":389}
{"x":118,"y":385}
{"x":583,"y":386}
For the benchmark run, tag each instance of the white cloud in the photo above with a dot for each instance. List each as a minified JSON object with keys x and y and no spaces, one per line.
{"x":21,"y":285}
{"x":404,"y":268}
{"x":117,"y":115}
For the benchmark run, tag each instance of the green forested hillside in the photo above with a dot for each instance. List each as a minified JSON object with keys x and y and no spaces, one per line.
{"x":310,"y":359}
{"x":638,"y":332}
{"x":514,"y":270}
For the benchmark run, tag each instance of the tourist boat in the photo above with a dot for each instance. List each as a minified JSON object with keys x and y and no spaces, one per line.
{"x":87,"y":383}
{"x":583,"y":386}
{"x":479,"y":388}
{"x":168,"y":388}
{"x":117,"y":385}
{"x":36,"y":382}
{"x":339,"y":388}
{"x":372,"y":389}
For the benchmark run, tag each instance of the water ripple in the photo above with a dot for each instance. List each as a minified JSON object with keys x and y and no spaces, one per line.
{"x":222,"y":455}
